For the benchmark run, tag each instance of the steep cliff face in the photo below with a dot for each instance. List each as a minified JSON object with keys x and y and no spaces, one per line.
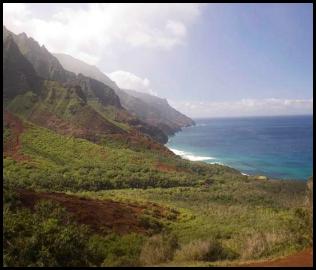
{"x":45,"y":64}
{"x":161,"y":113}
{"x":149,"y":109}
{"x":72,"y":104}
{"x":94,"y":89}
{"x":77,"y":66}
{"x":20,"y":75}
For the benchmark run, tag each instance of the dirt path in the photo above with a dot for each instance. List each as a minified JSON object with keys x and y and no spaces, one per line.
{"x":16,"y":128}
{"x":12,"y":144}
{"x":300,"y":259}
{"x":98,"y":214}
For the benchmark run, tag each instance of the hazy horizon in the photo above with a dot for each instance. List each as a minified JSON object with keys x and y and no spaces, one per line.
{"x":254,"y":116}
{"x":207,"y":60}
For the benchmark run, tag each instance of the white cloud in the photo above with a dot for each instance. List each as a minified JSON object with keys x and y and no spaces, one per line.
{"x":91,"y":30}
{"x":128,"y":80}
{"x":177,"y":28}
{"x":245,"y":107}
{"x":14,"y":14}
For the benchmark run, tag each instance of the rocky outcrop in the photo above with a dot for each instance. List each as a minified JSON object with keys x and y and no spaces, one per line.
{"x":20,"y":75}
{"x":159,"y":113}
{"x":94,"y":89}
{"x":45,"y":64}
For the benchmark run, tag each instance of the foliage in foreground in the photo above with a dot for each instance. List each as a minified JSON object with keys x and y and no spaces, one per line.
{"x":236,"y":219}
{"x":207,"y":230}
{"x":48,"y":236}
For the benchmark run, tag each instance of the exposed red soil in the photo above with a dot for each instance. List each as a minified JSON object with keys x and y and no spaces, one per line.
{"x":135,"y":139}
{"x":53,"y":122}
{"x":300,"y":259}
{"x":98,"y":214}
{"x":166,"y":168}
{"x":91,"y":126}
{"x":169,"y":168}
{"x":12,"y":144}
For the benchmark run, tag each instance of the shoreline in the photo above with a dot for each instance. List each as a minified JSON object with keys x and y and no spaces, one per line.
{"x":195,"y":144}
{"x":269,"y":178}
{"x":192,"y":157}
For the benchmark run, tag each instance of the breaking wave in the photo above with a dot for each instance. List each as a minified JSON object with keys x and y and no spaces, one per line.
{"x":190,"y":156}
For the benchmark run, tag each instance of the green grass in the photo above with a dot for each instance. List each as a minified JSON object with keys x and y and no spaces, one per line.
{"x":248,"y":219}
{"x":260,"y":227}
{"x":59,"y":162}
{"x":108,"y":112}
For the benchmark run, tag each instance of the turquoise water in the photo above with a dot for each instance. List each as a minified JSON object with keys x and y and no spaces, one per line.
{"x":279,"y":147}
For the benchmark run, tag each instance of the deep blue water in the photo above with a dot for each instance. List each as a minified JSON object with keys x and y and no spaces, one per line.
{"x":279,"y":147}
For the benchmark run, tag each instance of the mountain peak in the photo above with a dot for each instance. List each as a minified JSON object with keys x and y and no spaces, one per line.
{"x":44,"y":63}
{"x":20,"y":75}
{"x":23,"y":35}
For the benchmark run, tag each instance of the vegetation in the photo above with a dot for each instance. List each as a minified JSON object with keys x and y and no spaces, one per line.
{"x":209,"y":229}
{"x":63,"y":163}
{"x":215,"y":213}
{"x":204,"y":250}
{"x":170,"y":211}
{"x":46,"y":237}
{"x":158,"y":249}
{"x":49,"y":236}
{"x":230,"y":220}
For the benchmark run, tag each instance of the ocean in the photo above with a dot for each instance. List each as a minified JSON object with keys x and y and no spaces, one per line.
{"x":278,"y":147}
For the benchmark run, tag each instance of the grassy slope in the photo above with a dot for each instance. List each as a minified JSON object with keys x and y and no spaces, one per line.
{"x":63,"y":102}
{"x":109,"y":113}
{"x":253,"y":219}
{"x":62,"y":162}
{"x":65,"y":110}
{"x":242,"y":215}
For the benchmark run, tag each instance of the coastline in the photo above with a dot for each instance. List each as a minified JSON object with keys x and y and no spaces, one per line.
{"x":207,"y":159}
{"x":255,"y":176}
{"x":191,"y":156}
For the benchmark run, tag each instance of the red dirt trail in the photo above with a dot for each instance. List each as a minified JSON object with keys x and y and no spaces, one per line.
{"x":301,"y":259}
{"x":12,"y":144}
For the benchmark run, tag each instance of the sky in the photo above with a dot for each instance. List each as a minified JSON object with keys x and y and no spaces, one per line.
{"x":208,"y":60}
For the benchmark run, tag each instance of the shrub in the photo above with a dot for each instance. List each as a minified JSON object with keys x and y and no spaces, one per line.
{"x":158,"y":249}
{"x":204,"y":250}
{"x":115,"y":250}
{"x":151,"y":223}
{"x":262,"y":244}
{"x":254,"y":246}
{"x":194,"y":251}
{"x":300,"y":227}
{"x":42,"y":238}
{"x":10,"y":198}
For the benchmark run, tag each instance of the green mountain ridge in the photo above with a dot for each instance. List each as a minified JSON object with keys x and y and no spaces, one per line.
{"x":100,"y":96}
{"x":150,"y":109}
{"x":161,"y":108}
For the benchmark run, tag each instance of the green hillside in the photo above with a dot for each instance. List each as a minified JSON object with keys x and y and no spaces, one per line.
{"x":87,"y":183}
{"x":61,"y":162}
{"x":248,"y":219}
